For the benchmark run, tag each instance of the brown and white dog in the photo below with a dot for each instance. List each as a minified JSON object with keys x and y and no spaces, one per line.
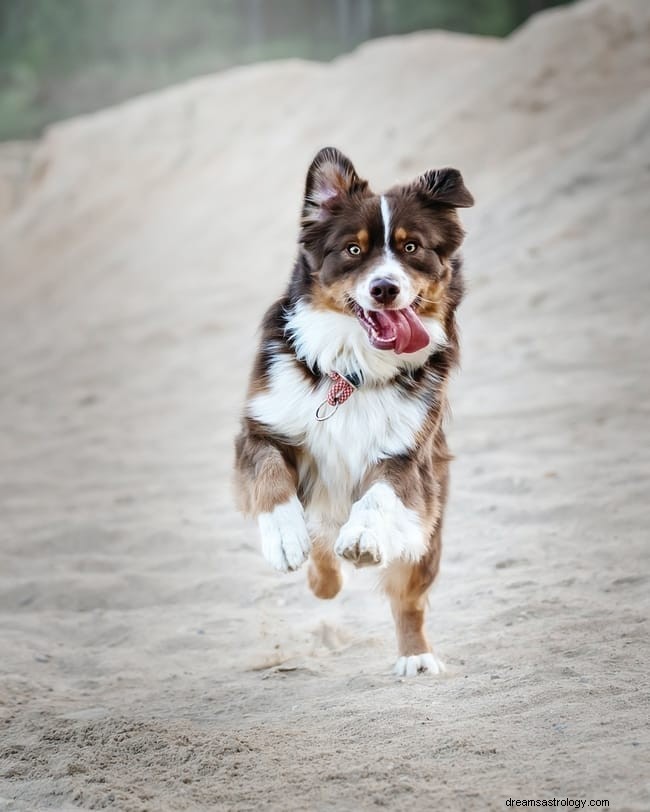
{"x":342,"y":453}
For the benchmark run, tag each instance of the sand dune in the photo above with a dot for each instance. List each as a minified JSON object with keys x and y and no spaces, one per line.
{"x":149,"y":658}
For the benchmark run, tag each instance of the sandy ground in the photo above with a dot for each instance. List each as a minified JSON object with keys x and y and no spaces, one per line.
{"x":149,"y":658}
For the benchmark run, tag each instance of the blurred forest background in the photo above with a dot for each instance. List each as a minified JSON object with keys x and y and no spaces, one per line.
{"x":59,"y":58}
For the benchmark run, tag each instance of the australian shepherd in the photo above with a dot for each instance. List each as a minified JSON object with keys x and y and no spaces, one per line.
{"x":342,"y":453}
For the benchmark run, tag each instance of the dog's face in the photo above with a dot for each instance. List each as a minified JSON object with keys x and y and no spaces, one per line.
{"x":382,"y":259}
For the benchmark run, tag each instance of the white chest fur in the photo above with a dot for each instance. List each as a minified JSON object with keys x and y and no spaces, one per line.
{"x":374,"y":424}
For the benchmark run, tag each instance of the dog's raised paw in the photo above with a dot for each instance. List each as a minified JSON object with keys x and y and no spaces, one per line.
{"x":380,"y":529}
{"x":285,"y":539}
{"x":359,"y":545}
{"x":415,"y":664}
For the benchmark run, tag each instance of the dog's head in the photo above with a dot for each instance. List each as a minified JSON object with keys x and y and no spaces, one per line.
{"x":383,"y":259}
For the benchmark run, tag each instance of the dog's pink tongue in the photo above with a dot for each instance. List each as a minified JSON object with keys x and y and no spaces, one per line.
{"x":410,"y":334}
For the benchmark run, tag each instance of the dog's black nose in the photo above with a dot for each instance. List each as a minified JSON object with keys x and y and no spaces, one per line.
{"x":384,"y":291}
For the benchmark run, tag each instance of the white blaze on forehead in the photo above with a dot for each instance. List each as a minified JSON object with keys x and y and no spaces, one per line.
{"x":385,"y":215}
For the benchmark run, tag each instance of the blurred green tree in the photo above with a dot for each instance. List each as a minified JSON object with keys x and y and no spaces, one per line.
{"x":62,"y":58}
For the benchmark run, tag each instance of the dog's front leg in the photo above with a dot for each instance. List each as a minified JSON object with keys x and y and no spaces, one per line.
{"x":266,"y":484}
{"x":381,"y":529}
{"x":397,"y":525}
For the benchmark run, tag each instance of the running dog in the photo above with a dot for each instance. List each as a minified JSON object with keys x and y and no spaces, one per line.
{"x":342,"y":453}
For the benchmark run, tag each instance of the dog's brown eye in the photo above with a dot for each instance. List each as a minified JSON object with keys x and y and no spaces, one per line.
{"x":354,"y":249}
{"x":410,"y":247}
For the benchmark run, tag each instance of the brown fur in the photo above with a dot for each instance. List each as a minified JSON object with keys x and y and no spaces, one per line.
{"x":363,"y":239}
{"x":324,"y":573}
{"x":265,"y":475}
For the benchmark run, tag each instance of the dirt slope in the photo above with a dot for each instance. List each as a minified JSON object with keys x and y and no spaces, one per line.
{"x":149,"y":658}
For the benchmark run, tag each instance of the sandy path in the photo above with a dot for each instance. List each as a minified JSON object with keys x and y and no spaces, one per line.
{"x":149,"y":659}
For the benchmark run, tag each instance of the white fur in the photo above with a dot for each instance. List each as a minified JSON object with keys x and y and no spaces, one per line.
{"x":285,"y":540}
{"x":388,"y":268}
{"x":374,"y":424}
{"x":381,"y":529}
{"x":385,"y":216}
{"x":410,"y":666}
{"x":337,"y":341}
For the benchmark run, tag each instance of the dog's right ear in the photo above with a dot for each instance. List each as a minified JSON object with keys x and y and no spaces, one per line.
{"x":331,"y":177}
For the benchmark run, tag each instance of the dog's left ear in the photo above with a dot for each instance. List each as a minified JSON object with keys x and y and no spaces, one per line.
{"x":330,"y":177}
{"x":446,"y":187}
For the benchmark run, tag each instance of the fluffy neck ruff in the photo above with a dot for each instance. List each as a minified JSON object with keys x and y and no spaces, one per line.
{"x":331,"y":341}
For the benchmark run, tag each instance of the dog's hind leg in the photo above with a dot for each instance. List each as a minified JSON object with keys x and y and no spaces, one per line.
{"x":324,"y":573}
{"x":407,"y":585}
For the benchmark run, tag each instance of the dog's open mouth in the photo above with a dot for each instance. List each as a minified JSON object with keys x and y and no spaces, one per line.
{"x":399,"y":330}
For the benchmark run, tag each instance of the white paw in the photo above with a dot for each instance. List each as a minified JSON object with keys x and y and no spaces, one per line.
{"x":360,"y":543}
{"x":285,"y":540}
{"x":380,"y":529}
{"x":418,"y":663}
